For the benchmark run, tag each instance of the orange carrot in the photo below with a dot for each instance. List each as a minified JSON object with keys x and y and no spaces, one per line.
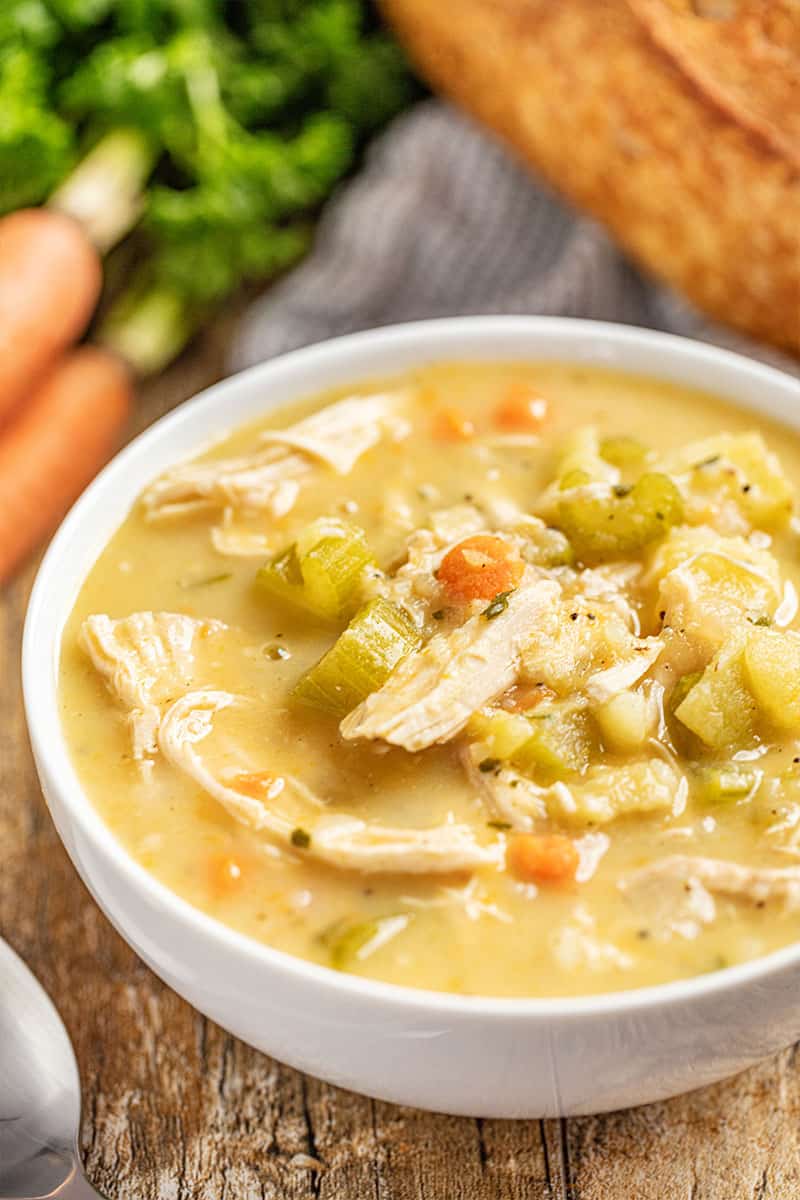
{"x":479,"y":568}
{"x":224,"y":874}
{"x":261,"y":785}
{"x":521,"y":410}
{"x":452,"y":425}
{"x":542,"y":858}
{"x":53,"y":448}
{"x":50,"y":277}
{"x":525,"y":696}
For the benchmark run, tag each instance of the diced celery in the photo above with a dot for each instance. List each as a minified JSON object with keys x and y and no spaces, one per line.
{"x":349,"y":943}
{"x":772,"y":668}
{"x":605,"y":527}
{"x":360,"y":660}
{"x":623,"y":451}
{"x":720,"y":707}
{"x":581,"y":462}
{"x":560,"y":743}
{"x":322,"y":571}
{"x":719,"y":784}
{"x":575,"y":477}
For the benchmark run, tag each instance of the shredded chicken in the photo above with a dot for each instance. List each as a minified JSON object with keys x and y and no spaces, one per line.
{"x":509,"y":797}
{"x":755,"y":884}
{"x":604,"y":793}
{"x":432,"y":694}
{"x":145,"y":659}
{"x":288,"y":807}
{"x":270,"y":479}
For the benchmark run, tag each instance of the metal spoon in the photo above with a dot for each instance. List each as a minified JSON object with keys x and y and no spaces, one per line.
{"x":40,"y":1095}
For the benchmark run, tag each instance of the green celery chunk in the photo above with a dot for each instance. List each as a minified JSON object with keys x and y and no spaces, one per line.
{"x":351,"y":942}
{"x":322,"y":571}
{"x":623,"y":451}
{"x":360,"y":660}
{"x":718,"y":784}
{"x":611,"y":526}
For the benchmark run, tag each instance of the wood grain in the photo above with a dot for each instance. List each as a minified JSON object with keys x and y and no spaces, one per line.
{"x":176,"y":1109}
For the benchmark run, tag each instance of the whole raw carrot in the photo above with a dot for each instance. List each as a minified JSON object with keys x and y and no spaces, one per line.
{"x":51,"y":450}
{"x":50,"y":277}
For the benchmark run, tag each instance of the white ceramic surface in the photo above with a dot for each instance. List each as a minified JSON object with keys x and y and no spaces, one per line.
{"x":480,"y":1057}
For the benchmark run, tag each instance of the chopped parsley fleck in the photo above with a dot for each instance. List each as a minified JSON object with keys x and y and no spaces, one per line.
{"x":706,"y":462}
{"x":300,"y":838}
{"x":762,"y":620}
{"x":501,"y":825}
{"x":497,"y":606}
{"x":188,"y":584}
{"x":488,"y":764}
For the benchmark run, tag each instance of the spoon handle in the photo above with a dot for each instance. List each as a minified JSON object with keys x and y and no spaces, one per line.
{"x":76,"y":1186}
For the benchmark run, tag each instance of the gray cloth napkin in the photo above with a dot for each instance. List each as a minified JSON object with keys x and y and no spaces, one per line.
{"x":442,"y":221}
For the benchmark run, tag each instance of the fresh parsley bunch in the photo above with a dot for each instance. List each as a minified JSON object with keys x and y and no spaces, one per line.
{"x":211,"y":128}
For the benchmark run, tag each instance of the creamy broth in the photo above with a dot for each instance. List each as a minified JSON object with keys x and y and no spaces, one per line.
{"x":487,"y":930}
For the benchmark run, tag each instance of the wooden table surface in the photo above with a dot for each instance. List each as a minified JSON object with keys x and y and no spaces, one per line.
{"x":176,"y":1109}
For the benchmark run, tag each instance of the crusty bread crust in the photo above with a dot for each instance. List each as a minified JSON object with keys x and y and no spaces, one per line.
{"x":681,"y":132}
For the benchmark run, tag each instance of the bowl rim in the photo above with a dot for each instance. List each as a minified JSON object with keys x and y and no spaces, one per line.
{"x":42,"y":639}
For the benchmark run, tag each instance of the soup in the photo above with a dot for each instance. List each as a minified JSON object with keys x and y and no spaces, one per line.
{"x":483,"y":680}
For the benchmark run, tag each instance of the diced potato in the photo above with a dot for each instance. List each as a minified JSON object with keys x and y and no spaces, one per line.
{"x":502,"y":732}
{"x":707,"y":584}
{"x":560,"y":744}
{"x":549,"y":548}
{"x":622,"y":522}
{"x":624,"y":721}
{"x":772,"y":669}
{"x":729,"y":475}
{"x":720,"y":708}
{"x":607,"y":792}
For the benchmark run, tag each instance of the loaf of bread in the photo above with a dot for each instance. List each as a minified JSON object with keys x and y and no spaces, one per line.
{"x":674,"y":122}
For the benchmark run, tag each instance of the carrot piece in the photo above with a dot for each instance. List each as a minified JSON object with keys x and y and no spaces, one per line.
{"x":50,"y":277}
{"x":224,"y":874}
{"x":452,"y":425}
{"x":258,"y":784}
{"x":524,"y":697}
{"x":542,"y":857}
{"x":522,"y":409}
{"x":53,"y":448}
{"x":479,"y":568}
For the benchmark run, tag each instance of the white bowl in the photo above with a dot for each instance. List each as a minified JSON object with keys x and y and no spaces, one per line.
{"x":466,"y":1055}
